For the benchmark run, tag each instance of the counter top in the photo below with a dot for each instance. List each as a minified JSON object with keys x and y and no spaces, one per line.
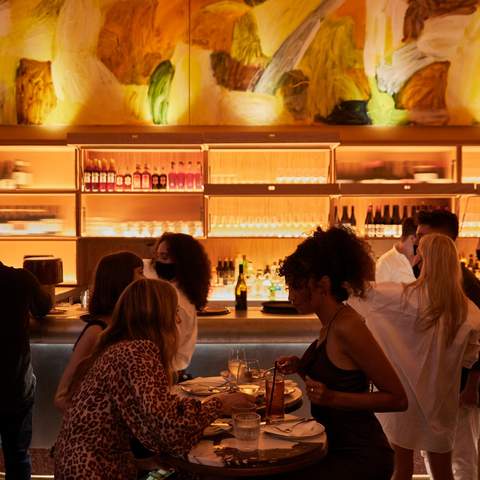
{"x":252,"y":326}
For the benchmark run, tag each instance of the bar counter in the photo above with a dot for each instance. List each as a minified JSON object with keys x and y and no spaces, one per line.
{"x":250,"y":327}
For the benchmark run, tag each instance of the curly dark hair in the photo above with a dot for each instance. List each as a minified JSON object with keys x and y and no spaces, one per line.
{"x":193,"y":268}
{"x":336,"y":253}
{"x":112,"y":274}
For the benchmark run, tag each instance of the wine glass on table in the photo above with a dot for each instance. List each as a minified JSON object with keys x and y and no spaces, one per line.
{"x":236,"y":363}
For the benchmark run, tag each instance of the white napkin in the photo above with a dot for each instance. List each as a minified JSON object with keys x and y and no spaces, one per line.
{"x":308,"y":430}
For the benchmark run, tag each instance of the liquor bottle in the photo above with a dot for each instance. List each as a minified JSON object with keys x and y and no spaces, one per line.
{"x":127,"y":180}
{"x":95,"y":174}
{"x":369,"y":226}
{"x":146,"y":179}
{"x":335,"y":219}
{"x":387,"y":222}
{"x":172,"y":177}
{"x":198,"y":177}
{"x":396,"y":222}
{"x":189,"y":177}
{"x":219,"y":272}
{"x":137,"y":178}
{"x":181,"y":176}
{"x":119,"y":182}
{"x":111,"y":175}
{"x":225,"y":271}
{"x":241,"y":291}
{"x":353,"y":220}
{"x":231,"y":271}
{"x":155,"y":179}
{"x":102,"y":179}
{"x":405,"y":214}
{"x":87,"y":175}
{"x":378,"y":222}
{"x":345,"y":220}
{"x":162,"y":180}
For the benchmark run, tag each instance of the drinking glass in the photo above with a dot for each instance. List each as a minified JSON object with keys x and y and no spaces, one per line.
{"x":274,"y":396}
{"x":251,"y":373}
{"x":236,"y":363}
{"x":246,"y":428}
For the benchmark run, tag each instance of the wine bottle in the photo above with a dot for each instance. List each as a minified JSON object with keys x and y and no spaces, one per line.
{"x":172,"y":177}
{"x":111,"y":174}
{"x":378,"y":222}
{"x":189,"y":177}
{"x":387,"y":222}
{"x":181,"y":176}
{"x":396,"y":222}
{"x":241,"y":291}
{"x":119,"y":182}
{"x":219,"y":272}
{"x":127,"y":180}
{"x":345,"y":220}
{"x":155,"y":179}
{"x":335,"y":219}
{"x":199,"y":177}
{"x":137,"y":178}
{"x":102,"y":182}
{"x":162,"y":185}
{"x":369,"y":225}
{"x":87,"y":175}
{"x":353,"y":220}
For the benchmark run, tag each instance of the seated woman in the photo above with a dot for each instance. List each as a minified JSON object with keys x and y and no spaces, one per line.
{"x":181,"y":260}
{"x":428,"y":330}
{"x":321,"y":274}
{"x":112,"y":274}
{"x":123,"y":390}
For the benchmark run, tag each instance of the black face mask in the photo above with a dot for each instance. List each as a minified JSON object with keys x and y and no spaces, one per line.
{"x":165,"y":270}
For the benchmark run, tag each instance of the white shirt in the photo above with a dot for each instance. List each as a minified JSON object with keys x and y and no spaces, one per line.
{"x":428,"y":370}
{"x":187,"y":324}
{"x":394,"y":266}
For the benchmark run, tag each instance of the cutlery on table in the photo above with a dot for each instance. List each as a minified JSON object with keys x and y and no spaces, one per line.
{"x":292,"y":425}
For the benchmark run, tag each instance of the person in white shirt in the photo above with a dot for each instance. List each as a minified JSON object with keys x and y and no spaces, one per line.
{"x":428,"y":329}
{"x":396,"y":264}
{"x":182,"y":260}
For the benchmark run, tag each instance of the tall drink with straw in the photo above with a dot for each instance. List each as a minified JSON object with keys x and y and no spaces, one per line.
{"x":274,"y":395}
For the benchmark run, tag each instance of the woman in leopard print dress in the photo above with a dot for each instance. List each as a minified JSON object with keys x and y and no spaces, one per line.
{"x":123,"y":391}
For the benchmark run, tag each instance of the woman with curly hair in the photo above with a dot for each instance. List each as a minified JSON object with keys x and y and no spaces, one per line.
{"x":338,"y":368}
{"x":181,"y":260}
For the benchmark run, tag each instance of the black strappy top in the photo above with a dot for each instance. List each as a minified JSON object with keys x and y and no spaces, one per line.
{"x":93,"y":321}
{"x":345,"y":428}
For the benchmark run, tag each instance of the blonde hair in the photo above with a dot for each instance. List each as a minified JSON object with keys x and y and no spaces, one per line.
{"x":440,"y":285}
{"x":146,"y":310}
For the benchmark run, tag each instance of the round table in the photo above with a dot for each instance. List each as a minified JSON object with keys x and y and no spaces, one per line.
{"x":260,"y":463}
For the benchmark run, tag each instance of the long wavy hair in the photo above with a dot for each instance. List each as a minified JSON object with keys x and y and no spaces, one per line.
{"x":336,"y":253}
{"x":146,"y":310}
{"x":192,"y":266}
{"x":440,"y":286}
{"x":112,"y":274}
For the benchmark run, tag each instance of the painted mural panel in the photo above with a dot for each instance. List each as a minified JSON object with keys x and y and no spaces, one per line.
{"x":239,"y":62}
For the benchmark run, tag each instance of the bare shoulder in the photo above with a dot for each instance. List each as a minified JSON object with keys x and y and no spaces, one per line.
{"x":348,"y":323}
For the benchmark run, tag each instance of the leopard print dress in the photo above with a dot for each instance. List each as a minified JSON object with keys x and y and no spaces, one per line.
{"x":126,"y":394}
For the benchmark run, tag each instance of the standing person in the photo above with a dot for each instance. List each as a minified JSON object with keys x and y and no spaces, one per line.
{"x":396,"y":264}
{"x":181,"y":260}
{"x":321,"y":274}
{"x":124,"y":389}
{"x":428,"y":329}
{"x":20,"y":295}
{"x":112,"y":274}
{"x":465,"y":449}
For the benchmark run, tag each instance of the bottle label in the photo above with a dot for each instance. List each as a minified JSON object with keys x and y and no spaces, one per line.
{"x":87,"y":180}
{"x":111,"y":177}
{"x":127,"y":181}
{"x":137,"y":182}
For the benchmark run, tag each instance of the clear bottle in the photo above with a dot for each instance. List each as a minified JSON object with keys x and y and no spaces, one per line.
{"x":198,"y":180}
{"x":241,"y":291}
{"x":111,"y":176}
{"x":127,"y":180}
{"x":146,"y":178}
{"x":181,"y":176}
{"x":137,"y":178}
{"x":189,"y":178}
{"x":172,"y":177}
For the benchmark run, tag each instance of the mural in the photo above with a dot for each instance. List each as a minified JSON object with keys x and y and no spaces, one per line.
{"x":239,"y":62}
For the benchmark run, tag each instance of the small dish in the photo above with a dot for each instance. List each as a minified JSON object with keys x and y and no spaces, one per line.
{"x":298,"y":432}
{"x":249,"y":388}
{"x":202,"y":390}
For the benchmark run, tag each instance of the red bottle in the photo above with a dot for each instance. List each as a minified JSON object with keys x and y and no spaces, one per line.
{"x":119,"y":182}
{"x":95,"y":175}
{"x":102,"y":182}
{"x":181,"y":176}
{"x":111,"y":175}
{"x":146,"y":179}
{"x":87,"y":175}
{"x":127,"y":181}
{"x":172,"y":177}
{"x":137,"y":179}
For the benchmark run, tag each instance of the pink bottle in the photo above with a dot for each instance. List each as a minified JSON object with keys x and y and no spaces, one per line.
{"x":172,"y":177}
{"x":189,"y":177}
{"x":181,"y":176}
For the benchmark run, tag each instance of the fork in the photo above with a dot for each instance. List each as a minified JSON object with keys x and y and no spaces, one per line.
{"x":290,"y":428}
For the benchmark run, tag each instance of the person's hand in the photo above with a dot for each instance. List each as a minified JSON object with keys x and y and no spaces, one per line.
{"x":238,"y":399}
{"x":288,"y":365}
{"x":317,"y":392}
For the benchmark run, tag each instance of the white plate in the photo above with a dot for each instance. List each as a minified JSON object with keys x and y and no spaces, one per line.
{"x":201,"y":391}
{"x":314,"y":429}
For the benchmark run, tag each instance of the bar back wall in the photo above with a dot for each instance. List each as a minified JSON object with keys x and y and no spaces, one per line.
{"x":239,"y":62}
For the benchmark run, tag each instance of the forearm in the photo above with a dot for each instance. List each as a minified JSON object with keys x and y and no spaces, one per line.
{"x":370,"y":401}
